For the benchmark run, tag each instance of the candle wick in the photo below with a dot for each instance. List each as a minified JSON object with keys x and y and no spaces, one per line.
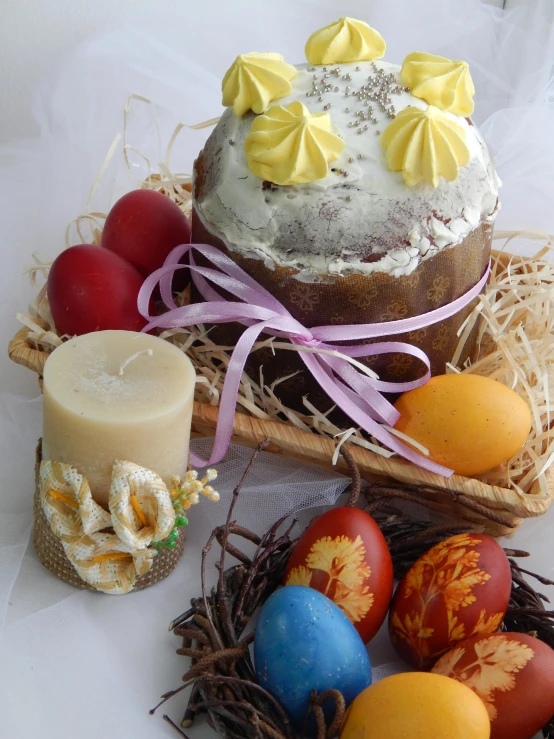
{"x":130,"y":359}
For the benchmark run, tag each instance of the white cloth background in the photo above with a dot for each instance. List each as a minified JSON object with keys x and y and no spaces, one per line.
{"x":86,"y":664}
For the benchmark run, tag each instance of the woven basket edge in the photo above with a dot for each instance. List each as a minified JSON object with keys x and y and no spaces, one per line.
{"x":319,"y":449}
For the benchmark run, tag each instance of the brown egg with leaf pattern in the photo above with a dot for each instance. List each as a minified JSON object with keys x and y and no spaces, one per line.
{"x":344,"y":555}
{"x":458,"y":589}
{"x":512,"y":673}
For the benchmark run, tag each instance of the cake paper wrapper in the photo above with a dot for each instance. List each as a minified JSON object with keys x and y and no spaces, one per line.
{"x":358,"y":299}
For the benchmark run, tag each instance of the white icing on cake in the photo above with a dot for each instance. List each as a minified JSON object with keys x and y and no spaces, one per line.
{"x":369,"y":221}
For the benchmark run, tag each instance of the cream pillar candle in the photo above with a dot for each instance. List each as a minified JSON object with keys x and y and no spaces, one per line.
{"x":117,"y":395}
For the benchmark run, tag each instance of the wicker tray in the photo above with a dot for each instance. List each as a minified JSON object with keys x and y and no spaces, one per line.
{"x":447,"y":495}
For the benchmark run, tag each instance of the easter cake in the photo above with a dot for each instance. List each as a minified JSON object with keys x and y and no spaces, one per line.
{"x":353,"y":189}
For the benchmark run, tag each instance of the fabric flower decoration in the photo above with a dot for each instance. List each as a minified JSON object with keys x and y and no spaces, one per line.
{"x":140,"y":505}
{"x":140,"y":511}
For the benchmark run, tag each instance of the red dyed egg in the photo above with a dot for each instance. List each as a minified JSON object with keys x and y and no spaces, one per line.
{"x":512,"y":673}
{"x":143,"y":227}
{"x":93,"y":289}
{"x":458,"y":589}
{"x":344,"y":555}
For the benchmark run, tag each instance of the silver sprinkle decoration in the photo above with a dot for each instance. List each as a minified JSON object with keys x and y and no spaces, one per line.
{"x":374,"y":93}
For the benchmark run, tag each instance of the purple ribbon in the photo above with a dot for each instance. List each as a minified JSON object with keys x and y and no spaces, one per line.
{"x":356,"y":393}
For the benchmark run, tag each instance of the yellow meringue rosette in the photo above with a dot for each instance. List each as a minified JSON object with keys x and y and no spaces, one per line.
{"x":345,"y":40}
{"x":425,"y":144}
{"x":439,"y":81}
{"x":254,"y":80}
{"x":289,"y":146}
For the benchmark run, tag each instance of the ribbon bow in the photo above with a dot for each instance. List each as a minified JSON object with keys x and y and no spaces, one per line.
{"x":351,"y":385}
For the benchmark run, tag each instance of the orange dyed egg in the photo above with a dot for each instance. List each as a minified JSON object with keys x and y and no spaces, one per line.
{"x":344,"y":555}
{"x":458,"y":589}
{"x":512,"y":673}
{"x":417,"y":705}
{"x":468,"y":423}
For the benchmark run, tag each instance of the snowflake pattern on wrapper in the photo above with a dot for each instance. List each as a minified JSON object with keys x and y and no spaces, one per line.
{"x":363,"y":297}
{"x":437,"y":291}
{"x":441,"y":340}
{"x":394,"y":311}
{"x":416,"y":337}
{"x":305,"y":297}
{"x":400,"y":364}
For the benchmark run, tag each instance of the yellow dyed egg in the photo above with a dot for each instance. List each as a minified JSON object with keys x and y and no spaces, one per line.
{"x":467,"y":422}
{"x":416,"y":705}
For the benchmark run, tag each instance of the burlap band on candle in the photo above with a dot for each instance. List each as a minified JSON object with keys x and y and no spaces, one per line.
{"x":357,"y":299}
{"x":73,"y":534}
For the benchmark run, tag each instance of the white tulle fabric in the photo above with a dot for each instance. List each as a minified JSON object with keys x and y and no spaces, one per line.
{"x":76,"y":663}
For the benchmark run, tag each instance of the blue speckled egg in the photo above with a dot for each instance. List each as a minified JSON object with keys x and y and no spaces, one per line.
{"x":304,"y":641}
